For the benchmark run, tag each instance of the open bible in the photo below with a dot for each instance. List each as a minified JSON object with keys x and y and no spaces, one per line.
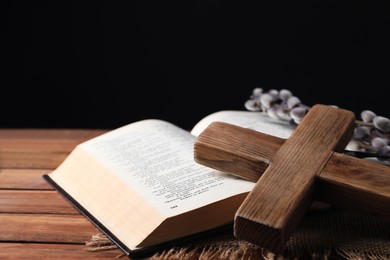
{"x":139,"y":184}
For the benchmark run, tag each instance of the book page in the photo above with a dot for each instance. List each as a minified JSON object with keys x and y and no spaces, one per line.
{"x":253,"y":120}
{"x":155,"y":159}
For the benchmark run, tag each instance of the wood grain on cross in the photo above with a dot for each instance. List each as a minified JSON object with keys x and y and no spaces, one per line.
{"x":292,"y":173}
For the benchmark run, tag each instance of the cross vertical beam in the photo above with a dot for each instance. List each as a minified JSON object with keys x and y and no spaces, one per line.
{"x":284,"y":192}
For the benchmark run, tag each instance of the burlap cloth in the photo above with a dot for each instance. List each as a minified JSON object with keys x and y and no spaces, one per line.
{"x":327,"y":233}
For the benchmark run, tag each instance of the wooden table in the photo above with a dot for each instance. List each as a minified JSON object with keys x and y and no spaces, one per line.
{"x":36,"y":221}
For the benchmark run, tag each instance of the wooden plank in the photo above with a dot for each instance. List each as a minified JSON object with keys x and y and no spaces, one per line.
{"x":345,"y":181}
{"x":356,"y":184}
{"x":40,"y":148}
{"x":27,"y":201}
{"x":31,"y":159}
{"x":52,"y":251}
{"x":45,"y":228}
{"x":237,"y":150}
{"x":28,"y":179}
{"x":77,"y":135}
{"x":285,"y":191}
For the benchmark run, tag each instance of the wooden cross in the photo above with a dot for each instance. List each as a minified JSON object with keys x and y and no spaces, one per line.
{"x":292,"y":173}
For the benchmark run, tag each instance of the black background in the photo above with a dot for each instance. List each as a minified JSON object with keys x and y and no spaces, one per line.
{"x":105,"y":64}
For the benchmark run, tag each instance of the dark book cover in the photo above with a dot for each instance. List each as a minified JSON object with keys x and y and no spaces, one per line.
{"x":139,"y":252}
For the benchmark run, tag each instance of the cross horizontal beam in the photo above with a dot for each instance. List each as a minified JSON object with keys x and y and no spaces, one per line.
{"x":340,"y":180}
